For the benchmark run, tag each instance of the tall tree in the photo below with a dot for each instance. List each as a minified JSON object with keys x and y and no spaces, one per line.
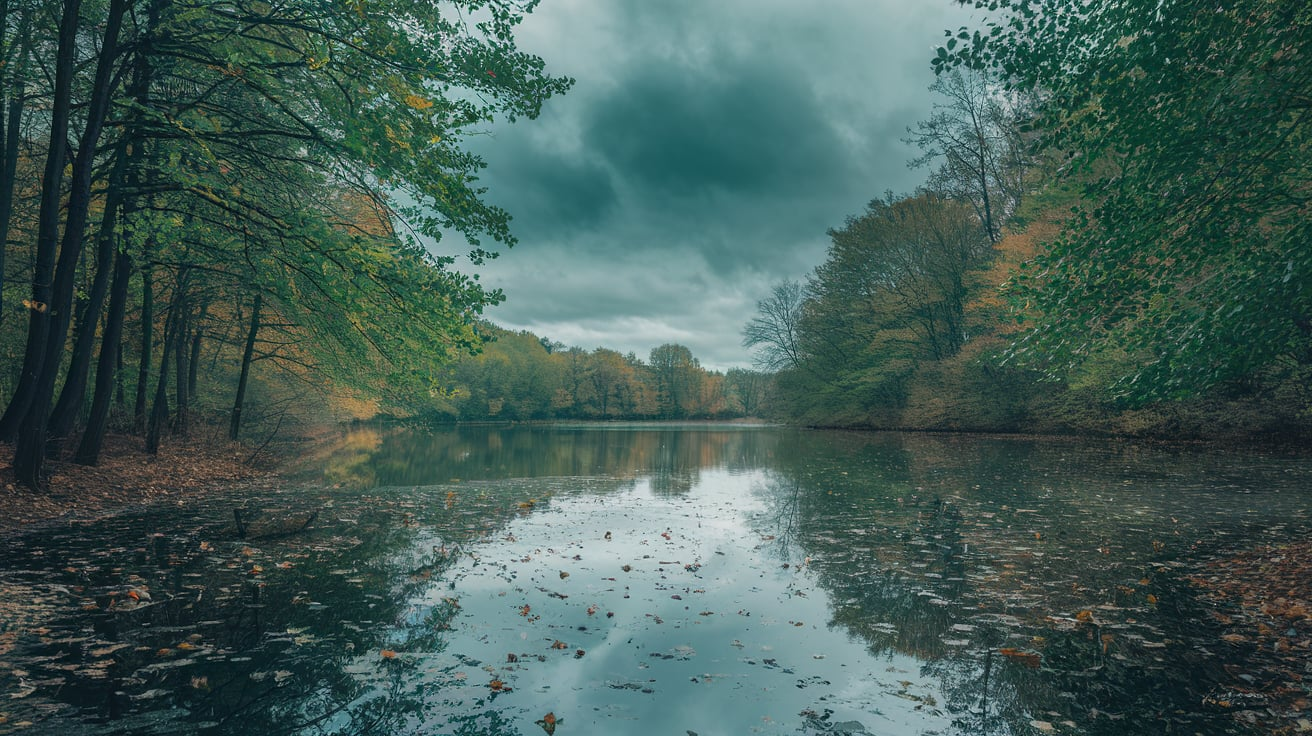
{"x":974,"y":140}
{"x":678,"y":380}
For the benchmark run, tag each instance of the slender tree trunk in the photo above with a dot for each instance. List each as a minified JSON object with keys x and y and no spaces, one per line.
{"x":159,"y":410}
{"x":182,"y":328}
{"x":147,"y":336}
{"x":47,"y":238}
{"x":160,"y":407}
{"x":30,"y":448}
{"x":111,"y":357}
{"x":64,"y":416}
{"x":10,"y":130}
{"x":234,"y":426}
{"x":119,"y":370}
{"x":124,"y":182}
{"x":197,"y":337}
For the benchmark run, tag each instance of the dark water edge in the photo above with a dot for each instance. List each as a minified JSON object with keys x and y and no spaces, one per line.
{"x":779,"y":581}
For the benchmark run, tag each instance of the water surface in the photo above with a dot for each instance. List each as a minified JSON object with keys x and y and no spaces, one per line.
{"x":638,"y":579}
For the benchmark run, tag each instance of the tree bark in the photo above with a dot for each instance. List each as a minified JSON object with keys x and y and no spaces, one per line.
{"x":248,"y":354}
{"x":10,"y":124}
{"x":159,"y":409}
{"x":30,"y":448}
{"x":47,"y":238}
{"x":147,"y":336}
{"x":182,"y":328}
{"x":111,"y":354}
{"x":64,"y":416}
{"x":197,"y":337}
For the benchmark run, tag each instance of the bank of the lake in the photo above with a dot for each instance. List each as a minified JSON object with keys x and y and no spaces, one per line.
{"x":129,"y":477}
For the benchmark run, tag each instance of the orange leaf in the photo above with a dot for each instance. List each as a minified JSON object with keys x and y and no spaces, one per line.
{"x":388,"y":654}
{"x":1029,"y":659}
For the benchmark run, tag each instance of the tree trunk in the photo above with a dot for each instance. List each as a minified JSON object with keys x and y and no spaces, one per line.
{"x":14,"y":90}
{"x":183,"y":326}
{"x":47,"y":237}
{"x":234,"y":426}
{"x":64,"y":416}
{"x":197,"y":337}
{"x":30,"y":448}
{"x":147,"y":336}
{"x":124,"y":182}
{"x":111,"y":357}
{"x":159,"y":410}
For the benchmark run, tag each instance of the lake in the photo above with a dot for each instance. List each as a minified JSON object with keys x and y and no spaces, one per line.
{"x":676,"y":579}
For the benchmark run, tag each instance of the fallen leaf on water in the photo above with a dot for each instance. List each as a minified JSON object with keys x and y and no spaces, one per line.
{"x":388,"y":654}
{"x":549,"y":722}
{"x":498,"y":686}
{"x":1029,"y":659}
{"x":558,"y":644}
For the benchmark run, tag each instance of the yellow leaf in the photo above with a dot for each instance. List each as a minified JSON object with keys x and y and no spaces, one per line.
{"x":417,"y":102}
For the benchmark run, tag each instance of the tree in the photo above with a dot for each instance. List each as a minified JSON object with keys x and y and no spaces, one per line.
{"x":912,"y":254}
{"x":1194,"y":158}
{"x":775,"y":330}
{"x":974,"y":136}
{"x":677,"y":376}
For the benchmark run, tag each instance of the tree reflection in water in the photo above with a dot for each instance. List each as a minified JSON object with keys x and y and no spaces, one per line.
{"x":1033,"y":582}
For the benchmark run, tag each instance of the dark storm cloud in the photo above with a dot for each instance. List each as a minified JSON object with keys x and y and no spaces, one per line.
{"x":702,"y":154}
{"x":736,"y":128}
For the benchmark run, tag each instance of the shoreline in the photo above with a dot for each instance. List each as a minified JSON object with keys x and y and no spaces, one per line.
{"x":126,"y":477}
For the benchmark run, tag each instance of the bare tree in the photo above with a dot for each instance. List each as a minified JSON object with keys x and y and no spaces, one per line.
{"x":975,"y":137}
{"x":775,"y":331}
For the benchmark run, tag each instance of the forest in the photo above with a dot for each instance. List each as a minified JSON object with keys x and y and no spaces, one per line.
{"x":521,"y":376}
{"x":1113,"y":238}
{"x":195,"y":192}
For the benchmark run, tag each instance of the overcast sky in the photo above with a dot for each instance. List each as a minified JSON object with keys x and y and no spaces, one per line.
{"x":706,"y":147}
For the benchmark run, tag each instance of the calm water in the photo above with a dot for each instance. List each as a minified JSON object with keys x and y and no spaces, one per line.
{"x":642,"y":580}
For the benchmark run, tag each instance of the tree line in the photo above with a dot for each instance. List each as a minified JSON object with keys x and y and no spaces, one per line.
{"x":1113,"y":235}
{"x":226,"y":184}
{"x":520,"y":376}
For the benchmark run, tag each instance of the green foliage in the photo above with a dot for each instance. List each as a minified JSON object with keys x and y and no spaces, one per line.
{"x":298,"y":154}
{"x":1185,"y":125}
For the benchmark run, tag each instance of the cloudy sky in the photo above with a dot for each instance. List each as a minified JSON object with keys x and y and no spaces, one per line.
{"x":706,"y":147}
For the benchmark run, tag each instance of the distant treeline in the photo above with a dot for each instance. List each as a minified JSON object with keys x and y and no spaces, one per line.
{"x":1114,"y":237}
{"x":521,"y":376}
